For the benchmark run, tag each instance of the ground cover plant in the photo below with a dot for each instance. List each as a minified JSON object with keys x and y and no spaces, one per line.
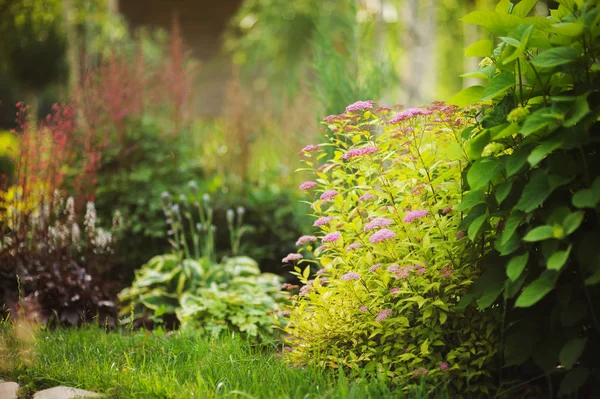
{"x":181,"y":365}
{"x":392,"y":260}
{"x":204,"y":293}
{"x":532,"y":189}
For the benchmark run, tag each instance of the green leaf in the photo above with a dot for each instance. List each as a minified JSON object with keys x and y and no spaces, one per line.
{"x":475,"y":226}
{"x":516,"y":265}
{"x":570,"y":29}
{"x":511,"y":129}
{"x":511,"y":225}
{"x":516,"y":160}
{"x":580,"y":109}
{"x":537,"y":290}
{"x":499,"y":85}
{"x":585,"y":199}
{"x":573,"y":221}
{"x":571,"y":352}
{"x":535,"y":192}
{"x":502,"y":191}
{"x":539,"y":233}
{"x":555,"y":57}
{"x":524,"y":7}
{"x":496,"y":22}
{"x":471,"y":199}
{"x":573,"y":381}
{"x":558,"y":259}
{"x":481,"y":48}
{"x":543,"y":150}
{"x":467,"y":96}
{"x":482,"y":171}
{"x":539,"y":120}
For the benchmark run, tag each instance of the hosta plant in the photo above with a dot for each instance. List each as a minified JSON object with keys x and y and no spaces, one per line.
{"x":533,"y":188}
{"x":392,"y":261}
{"x":189,"y":287}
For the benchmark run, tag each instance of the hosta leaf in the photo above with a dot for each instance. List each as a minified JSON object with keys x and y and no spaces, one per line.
{"x":536,"y":290}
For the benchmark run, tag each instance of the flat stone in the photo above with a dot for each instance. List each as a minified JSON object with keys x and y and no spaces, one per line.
{"x":62,"y":392}
{"x":8,"y":390}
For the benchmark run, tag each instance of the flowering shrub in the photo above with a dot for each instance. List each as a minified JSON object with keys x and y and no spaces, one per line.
{"x":393,"y":262}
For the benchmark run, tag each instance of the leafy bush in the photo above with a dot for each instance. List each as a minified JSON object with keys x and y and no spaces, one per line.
{"x":203,"y":294}
{"x":534,"y":188}
{"x":393,"y":261}
{"x":51,"y":267}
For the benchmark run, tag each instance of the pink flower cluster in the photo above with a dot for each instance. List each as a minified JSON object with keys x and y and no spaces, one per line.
{"x":354,"y":246}
{"x":359,"y":152}
{"x":382,"y":235}
{"x":331,"y":237}
{"x":375,"y":267}
{"x":323,"y":220}
{"x":394,"y":291}
{"x":305,"y":239}
{"x":320,"y":272}
{"x":360,"y":106}
{"x":421,"y":371}
{"x":309,"y":148}
{"x":306,"y":288}
{"x":446,"y":272}
{"x":291,"y":257}
{"x":366,"y":197}
{"x":322,"y":167}
{"x":363,"y":308}
{"x":307,"y":185}
{"x":350,"y":276}
{"x":376,"y":223}
{"x":409,"y":114}
{"x":384,"y":314}
{"x":329,"y":194}
{"x":412,"y":215}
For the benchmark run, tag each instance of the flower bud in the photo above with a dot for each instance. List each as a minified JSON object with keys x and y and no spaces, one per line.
{"x":206,"y":198}
{"x":230,"y":215}
{"x":241,"y":210}
{"x":193,"y":186}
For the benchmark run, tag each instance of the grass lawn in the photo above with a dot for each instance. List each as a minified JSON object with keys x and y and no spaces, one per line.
{"x":146,"y":365}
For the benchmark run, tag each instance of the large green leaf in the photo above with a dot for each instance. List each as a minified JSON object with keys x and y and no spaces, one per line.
{"x":524,"y":7}
{"x":496,"y":22}
{"x":499,"y":85}
{"x":573,"y":221}
{"x":471,"y":199}
{"x":516,"y":265}
{"x":571,"y":352}
{"x":539,"y":233}
{"x":516,"y":160}
{"x":558,"y":259}
{"x":482,"y":171}
{"x":481,"y":48}
{"x":537,"y":290}
{"x":543,"y":150}
{"x":555,"y":57}
{"x":573,"y":381}
{"x":535,"y":192}
{"x":467,"y":96}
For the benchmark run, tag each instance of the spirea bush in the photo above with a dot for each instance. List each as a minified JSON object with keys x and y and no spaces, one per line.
{"x":392,"y":261}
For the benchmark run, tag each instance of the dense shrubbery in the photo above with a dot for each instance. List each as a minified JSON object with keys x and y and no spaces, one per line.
{"x":393,"y":263}
{"x":533,"y":188}
{"x":212,"y":297}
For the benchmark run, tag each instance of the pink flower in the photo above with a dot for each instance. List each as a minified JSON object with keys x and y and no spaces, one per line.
{"x":329,"y":194}
{"x":377,"y":222}
{"x":409,"y":114}
{"x":381,"y":235}
{"x":420,"y":270}
{"x":384,"y":314}
{"x":393,"y":268}
{"x":305,"y":239}
{"x":447,"y":210}
{"x":331,"y":237}
{"x":352,"y":247}
{"x":444,"y":366}
{"x":360,"y":106}
{"x":321,"y":248}
{"x":350,"y":276}
{"x":403,"y":272}
{"x":322,"y":167}
{"x":291,"y":257}
{"x":323,"y":220}
{"x":412,"y":215}
{"x":375,"y":267}
{"x":359,"y":152}
{"x":446,"y":272}
{"x":366,"y":197}
{"x":307,"y":185}
{"x":309,"y":148}
{"x":287,"y":349}
{"x":284,"y":313}
{"x":306,"y":288}
{"x":363,"y":308}
{"x":394,"y":291}
{"x":320,"y":272}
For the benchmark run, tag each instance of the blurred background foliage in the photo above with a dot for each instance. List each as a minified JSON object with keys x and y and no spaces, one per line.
{"x":288,"y":63}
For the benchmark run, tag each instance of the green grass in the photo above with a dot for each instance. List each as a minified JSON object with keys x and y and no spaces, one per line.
{"x":144,"y":365}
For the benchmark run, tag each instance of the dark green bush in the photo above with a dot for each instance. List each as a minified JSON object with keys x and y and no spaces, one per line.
{"x":534,"y":189}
